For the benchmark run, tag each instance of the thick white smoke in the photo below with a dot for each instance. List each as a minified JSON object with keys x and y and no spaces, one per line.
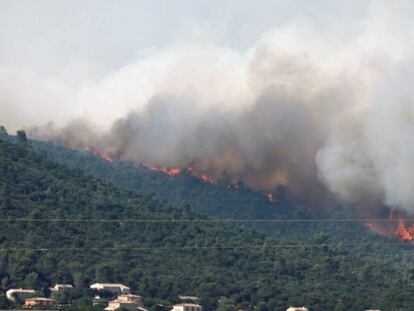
{"x":299,"y":109}
{"x":372,"y":156}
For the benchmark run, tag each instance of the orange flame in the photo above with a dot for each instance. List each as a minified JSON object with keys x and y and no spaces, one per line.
{"x":201,"y":176}
{"x":401,"y":231}
{"x":99,"y":153}
{"x":177,"y":171}
{"x":169,"y":171}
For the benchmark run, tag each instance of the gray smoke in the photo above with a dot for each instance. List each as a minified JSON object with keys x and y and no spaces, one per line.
{"x":267,"y":136}
{"x":299,"y":109}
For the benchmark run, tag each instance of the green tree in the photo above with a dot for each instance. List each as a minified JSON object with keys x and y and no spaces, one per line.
{"x":5,"y":201}
{"x":4,"y":302}
{"x":3,"y":131}
{"x":21,"y":136}
{"x":32,"y":280}
{"x":226,"y":304}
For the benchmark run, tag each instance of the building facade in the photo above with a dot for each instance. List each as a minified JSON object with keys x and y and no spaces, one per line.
{"x":187,"y":307}
{"x":128,"y":302}
{"x":116,"y":289}
{"x":61,"y":287}
{"x":39,"y":303}
{"x":297,"y":309}
{"x":14,"y":294}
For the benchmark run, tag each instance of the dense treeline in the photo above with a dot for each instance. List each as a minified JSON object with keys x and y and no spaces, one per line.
{"x":218,"y":200}
{"x":160,"y":260}
{"x":223,"y":200}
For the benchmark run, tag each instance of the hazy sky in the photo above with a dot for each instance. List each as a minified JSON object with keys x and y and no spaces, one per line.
{"x":104,"y":35}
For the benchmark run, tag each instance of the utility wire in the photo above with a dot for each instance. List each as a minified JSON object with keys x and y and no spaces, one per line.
{"x":131,"y":220}
{"x":172,"y":248}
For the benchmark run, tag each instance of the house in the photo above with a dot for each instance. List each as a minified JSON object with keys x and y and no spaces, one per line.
{"x":14,"y":294}
{"x":130,"y":298}
{"x":297,"y":309}
{"x":187,"y":307}
{"x":38,"y":303}
{"x":61,"y":287}
{"x":193,"y":299}
{"x":116,"y":289}
{"x":128,"y":302}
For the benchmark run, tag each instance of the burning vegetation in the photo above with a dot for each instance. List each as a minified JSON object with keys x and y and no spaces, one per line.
{"x":201,"y":176}
{"x":396,"y":226}
{"x":175,"y":171}
{"x":169,"y":171}
{"x":404,"y":231}
{"x":99,"y":153}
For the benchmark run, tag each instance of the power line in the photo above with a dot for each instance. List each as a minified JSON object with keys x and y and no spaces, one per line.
{"x":131,"y":220}
{"x":172,"y":248}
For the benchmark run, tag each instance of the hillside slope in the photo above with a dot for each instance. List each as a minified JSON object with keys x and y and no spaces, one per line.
{"x":223,"y":201}
{"x":155,"y":258}
{"x":162,"y":259}
{"x":209,"y":199}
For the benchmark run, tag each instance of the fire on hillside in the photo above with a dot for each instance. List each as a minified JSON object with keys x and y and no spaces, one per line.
{"x":99,"y":153}
{"x":174,"y":171}
{"x":396,"y":227}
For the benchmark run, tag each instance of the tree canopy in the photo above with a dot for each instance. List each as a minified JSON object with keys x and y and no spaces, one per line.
{"x":61,"y":225}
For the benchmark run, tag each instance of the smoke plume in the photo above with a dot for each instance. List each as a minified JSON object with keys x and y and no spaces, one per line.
{"x":298,"y":109}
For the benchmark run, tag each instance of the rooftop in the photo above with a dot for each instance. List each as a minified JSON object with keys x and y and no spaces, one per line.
{"x":21,"y":290}
{"x":182,"y":297}
{"x":39,"y":299}
{"x":129,"y":297}
{"x":108,"y":285}
{"x":187,"y":305}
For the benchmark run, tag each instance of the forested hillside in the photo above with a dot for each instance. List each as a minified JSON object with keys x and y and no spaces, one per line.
{"x":225,"y":201}
{"x":219,"y":200}
{"x":54,"y":228}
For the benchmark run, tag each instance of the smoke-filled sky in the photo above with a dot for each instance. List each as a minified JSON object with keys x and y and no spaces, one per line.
{"x":312,"y":95}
